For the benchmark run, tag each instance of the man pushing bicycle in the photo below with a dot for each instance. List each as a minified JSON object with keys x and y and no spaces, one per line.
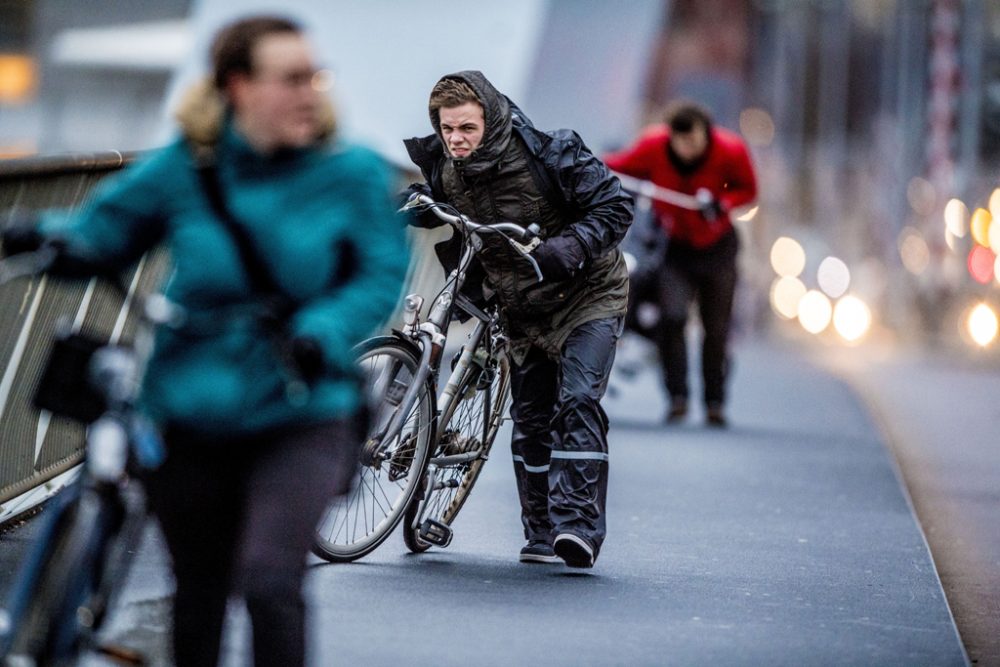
{"x":487,"y":160}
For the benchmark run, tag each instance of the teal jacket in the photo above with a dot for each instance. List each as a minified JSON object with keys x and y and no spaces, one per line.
{"x":219,"y":373}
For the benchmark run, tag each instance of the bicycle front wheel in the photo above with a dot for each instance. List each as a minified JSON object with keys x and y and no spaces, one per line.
{"x":60,"y":615}
{"x":470,"y":425}
{"x":391,"y":464}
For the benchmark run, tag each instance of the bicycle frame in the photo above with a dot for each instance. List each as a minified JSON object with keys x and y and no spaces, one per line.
{"x":431,"y":334}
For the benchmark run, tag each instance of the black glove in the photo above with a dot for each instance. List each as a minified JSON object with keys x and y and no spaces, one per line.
{"x":308,"y":357}
{"x":20,"y":235}
{"x":709,"y":207}
{"x":560,"y":257}
{"x":418,"y":218}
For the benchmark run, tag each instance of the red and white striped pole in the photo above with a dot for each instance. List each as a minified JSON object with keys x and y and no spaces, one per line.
{"x":944,"y":95}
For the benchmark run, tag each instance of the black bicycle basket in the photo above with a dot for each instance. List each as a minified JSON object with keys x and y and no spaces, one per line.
{"x":65,"y":388}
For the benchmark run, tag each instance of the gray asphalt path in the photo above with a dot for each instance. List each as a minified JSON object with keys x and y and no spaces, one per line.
{"x":784,"y":540}
{"x":941,"y":414}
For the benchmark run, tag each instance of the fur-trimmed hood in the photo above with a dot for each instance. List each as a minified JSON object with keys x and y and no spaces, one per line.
{"x":202,"y":111}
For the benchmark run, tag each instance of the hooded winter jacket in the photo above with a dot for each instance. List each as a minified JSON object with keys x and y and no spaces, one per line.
{"x":219,"y":373}
{"x":523,"y":175}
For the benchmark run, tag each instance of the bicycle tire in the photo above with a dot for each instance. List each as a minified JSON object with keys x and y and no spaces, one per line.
{"x":390,"y":366}
{"x":58,"y":620}
{"x":479,"y":413}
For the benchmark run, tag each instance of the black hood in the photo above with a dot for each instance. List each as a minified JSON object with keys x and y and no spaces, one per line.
{"x":497,"y":116}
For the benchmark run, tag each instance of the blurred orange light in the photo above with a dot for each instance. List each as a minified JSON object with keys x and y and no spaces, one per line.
{"x":980,"y":226}
{"x":981,"y":264}
{"x":17,"y":78}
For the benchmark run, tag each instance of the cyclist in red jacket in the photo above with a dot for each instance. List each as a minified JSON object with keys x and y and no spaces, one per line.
{"x":687,"y":154}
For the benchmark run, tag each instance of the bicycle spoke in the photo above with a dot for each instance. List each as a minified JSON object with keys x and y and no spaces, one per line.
{"x":388,"y":477}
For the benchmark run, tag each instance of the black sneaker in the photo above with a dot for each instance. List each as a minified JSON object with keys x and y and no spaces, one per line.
{"x":538,"y":551}
{"x":574,"y":550}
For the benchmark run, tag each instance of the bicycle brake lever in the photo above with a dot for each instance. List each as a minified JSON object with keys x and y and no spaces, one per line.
{"x":534,"y":240}
{"x":416,"y":199}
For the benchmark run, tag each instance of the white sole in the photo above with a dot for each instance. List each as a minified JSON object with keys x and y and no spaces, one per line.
{"x":531,"y":558}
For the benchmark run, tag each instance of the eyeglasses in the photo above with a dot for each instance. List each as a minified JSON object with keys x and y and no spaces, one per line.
{"x":317,"y":79}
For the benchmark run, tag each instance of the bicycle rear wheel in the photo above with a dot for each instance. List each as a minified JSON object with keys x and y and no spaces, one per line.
{"x":472,"y":424}
{"x":388,"y":473}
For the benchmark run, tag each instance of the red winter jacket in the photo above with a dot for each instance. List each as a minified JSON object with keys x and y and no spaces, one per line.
{"x":726,"y":171}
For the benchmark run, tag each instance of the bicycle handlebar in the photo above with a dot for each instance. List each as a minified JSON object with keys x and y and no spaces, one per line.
{"x":27,"y":264}
{"x":528,"y":234}
{"x":665,"y":195}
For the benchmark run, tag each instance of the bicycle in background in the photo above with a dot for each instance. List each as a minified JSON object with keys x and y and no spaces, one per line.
{"x":425,"y":451}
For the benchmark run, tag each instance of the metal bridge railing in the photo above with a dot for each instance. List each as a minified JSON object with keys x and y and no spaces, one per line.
{"x":37,"y":450}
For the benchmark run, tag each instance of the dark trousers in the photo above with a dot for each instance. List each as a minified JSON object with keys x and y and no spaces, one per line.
{"x":238,"y":515}
{"x":560,"y":442}
{"x":708,"y":277}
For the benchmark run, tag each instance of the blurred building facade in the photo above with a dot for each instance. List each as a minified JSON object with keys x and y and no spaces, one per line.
{"x":95,"y":72}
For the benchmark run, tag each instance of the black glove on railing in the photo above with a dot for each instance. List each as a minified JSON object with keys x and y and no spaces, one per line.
{"x":560,"y":257}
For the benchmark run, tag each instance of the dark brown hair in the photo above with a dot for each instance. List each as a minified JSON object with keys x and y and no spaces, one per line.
{"x":683,"y":116}
{"x":232,"y":48}
{"x":448,"y":93}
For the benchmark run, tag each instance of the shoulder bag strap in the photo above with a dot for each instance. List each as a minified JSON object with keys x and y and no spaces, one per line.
{"x":260,"y":278}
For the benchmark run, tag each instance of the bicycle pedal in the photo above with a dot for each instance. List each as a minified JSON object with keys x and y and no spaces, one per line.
{"x":437,"y":533}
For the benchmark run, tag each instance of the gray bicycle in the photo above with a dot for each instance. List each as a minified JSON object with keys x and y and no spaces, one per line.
{"x":424,"y":451}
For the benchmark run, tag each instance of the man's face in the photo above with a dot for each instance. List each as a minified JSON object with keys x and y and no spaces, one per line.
{"x":462,"y":128}
{"x":277,"y":105}
{"x":689,"y":146}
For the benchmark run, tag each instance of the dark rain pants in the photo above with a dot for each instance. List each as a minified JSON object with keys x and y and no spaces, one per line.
{"x":560,"y":442}
{"x":709,"y":277}
{"x":239,"y":516}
